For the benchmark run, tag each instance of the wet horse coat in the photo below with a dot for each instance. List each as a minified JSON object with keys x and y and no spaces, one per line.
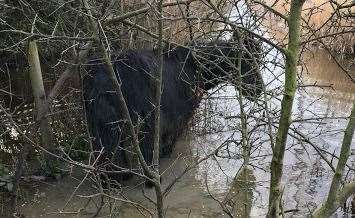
{"x":186,"y":75}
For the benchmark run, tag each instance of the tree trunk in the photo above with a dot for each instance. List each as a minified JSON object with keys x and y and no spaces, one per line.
{"x":41,"y":106}
{"x":291,"y":54}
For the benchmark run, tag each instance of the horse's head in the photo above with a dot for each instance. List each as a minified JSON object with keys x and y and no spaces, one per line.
{"x":235,"y":61}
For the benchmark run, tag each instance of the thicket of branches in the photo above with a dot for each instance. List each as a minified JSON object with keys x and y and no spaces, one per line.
{"x":44,"y":47}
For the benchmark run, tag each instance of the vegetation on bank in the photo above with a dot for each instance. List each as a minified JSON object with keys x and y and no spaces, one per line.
{"x":46,"y":44}
{"x":326,"y":24}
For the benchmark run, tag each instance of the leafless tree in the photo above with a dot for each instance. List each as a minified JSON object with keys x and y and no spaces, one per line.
{"x":49,"y":42}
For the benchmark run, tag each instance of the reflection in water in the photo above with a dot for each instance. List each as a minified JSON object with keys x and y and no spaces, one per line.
{"x":321,"y":117}
{"x":322,"y":69}
{"x":239,"y":199}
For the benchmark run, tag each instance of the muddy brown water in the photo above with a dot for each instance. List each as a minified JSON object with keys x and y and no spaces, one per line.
{"x":306,"y":178}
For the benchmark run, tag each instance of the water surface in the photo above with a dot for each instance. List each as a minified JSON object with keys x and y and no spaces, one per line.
{"x":220,"y":182}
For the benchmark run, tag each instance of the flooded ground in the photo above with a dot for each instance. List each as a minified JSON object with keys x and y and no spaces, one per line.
{"x":186,"y":199}
{"x":213,"y":185}
{"x":319,"y":115}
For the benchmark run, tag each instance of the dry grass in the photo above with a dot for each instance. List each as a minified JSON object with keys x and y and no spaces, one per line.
{"x":181,"y":22}
{"x":182,"y":28}
{"x":319,"y":20}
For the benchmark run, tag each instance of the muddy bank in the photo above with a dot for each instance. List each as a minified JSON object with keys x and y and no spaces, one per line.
{"x":70,"y":197}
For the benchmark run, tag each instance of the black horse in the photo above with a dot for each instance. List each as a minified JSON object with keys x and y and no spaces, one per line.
{"x":187,"y":74}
